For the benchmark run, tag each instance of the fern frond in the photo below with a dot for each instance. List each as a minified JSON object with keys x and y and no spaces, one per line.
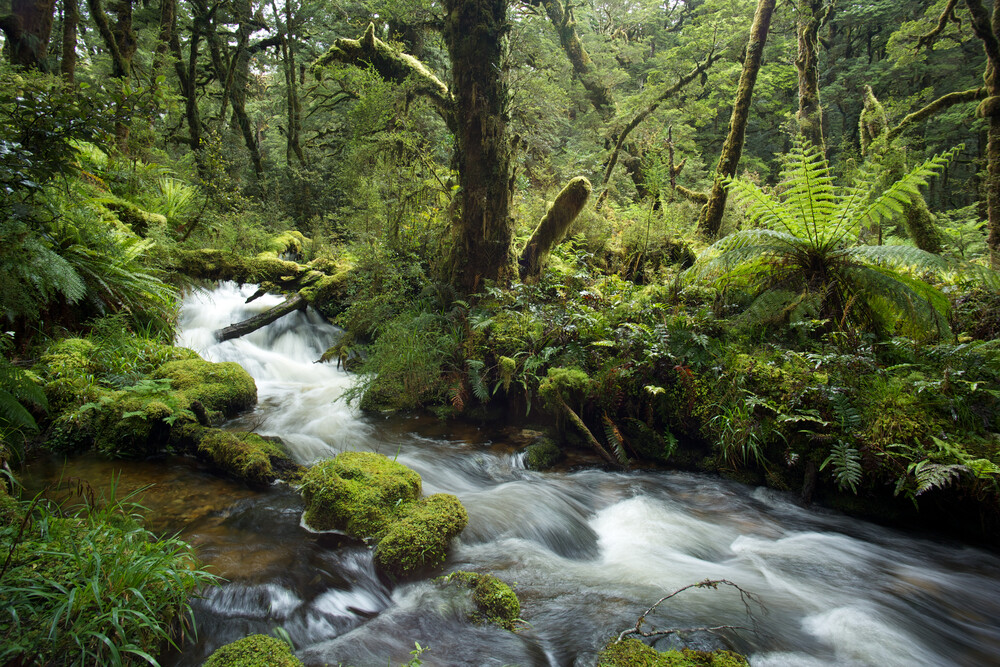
{"x":615,"y":439}
{"x":846,"y":462}
{"x":930,"y":476}
{"x":479,"y":389}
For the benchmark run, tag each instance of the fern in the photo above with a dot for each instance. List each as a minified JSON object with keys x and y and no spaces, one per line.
{"x":615,"y":439}
{"x":805,"y":242}
{"x":929,"y":476}
{"x":479,"y":389}
{"x":846,"y":463}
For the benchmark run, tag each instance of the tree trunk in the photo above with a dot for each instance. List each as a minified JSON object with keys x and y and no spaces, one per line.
{"x":810,"y":115}
{"x":187,"y":76}
{"x":292,"y":303}
{"x":168,"y":18}
{"x":476,"y":35}
{"x":293,"y":105}
{"x":28,"y":28}
{"x":553,"y":226}
{"x":988,"y":30}
{"x":120,"y":39}
{"x":710,"y":219}
{"x":71,"y":21}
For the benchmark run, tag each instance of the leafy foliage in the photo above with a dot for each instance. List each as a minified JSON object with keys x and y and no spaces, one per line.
{"x":807,"y":242}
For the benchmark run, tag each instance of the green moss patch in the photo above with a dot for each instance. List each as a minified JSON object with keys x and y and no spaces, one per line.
{"x":370,"y":496}
{"x":420,"y":538}
{"x":542,"y":454}
{"x":495,"y":601}
{"x":254,"y":651}
{"x":357,"y":492}
{"x":245,"y":456}
{"x":221,"y":387}
{"x":633,"y":653}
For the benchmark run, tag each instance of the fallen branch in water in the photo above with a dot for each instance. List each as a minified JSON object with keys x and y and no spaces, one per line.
{"x":746,"y":596}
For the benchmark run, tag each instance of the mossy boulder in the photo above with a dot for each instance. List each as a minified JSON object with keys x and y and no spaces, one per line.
{"x":633,"y":653}
{"x":370,"y":496}
{"x":542,"y":454}
{"x":495,"y":601}
{"x":254,"y":651}
{"x":220,"y":387}
{"x":419,"y":539}
{"x":248,"y":457}
{"x":357,"y":492}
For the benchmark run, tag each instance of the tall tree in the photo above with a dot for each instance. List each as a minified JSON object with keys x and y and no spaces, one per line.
{"x":28,"y":28}
{"x":71,"y":22}
{"x":710,"y":218}
{"x":811,"y":14}
{"x":476,"y":34}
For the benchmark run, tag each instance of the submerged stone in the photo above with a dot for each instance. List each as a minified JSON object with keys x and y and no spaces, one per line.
{"x":495,"y":601}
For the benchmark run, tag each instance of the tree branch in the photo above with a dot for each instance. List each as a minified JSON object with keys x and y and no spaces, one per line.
{"x":392,"y":65}
{"x":948,"y":14}
{"x":934,"y":107}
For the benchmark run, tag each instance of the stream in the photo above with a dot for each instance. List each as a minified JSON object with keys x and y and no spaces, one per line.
{"x":587,"y":550}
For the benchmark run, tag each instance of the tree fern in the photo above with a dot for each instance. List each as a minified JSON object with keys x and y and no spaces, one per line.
{"x":806,"y":240}
{"x":846,"y":462}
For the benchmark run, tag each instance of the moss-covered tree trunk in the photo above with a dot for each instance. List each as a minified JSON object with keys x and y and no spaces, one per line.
{"x":71,"y":22}
{"x":988,"y":30}
{"x":27,"y":29}
{"x":476,"y":34}
{"x":810,"y":115}
{"x":710,"y":219}
{"x":553,"y":226}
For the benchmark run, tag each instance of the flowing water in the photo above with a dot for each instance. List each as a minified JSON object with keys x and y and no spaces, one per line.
{"x":588,"y":550}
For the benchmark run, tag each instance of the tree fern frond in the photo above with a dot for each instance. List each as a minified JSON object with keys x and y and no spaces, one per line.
{"x":808,"y":190}
{"x":762,"y":208}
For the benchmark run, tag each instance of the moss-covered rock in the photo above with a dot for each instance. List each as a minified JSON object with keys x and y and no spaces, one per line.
{"x":370,"y":496}
{"x":245,"y":456}
{"x":357,"y":492}
{"x":220,"y":387}
{"x":254,"y":651}
{"x":542,"y":454}
{"x":495,"y":601}
{"x":633,"y":653}
{"x":419,"y":539}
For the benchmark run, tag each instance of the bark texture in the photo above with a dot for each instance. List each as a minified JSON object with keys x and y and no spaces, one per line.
{"x":476,"y":35}
{"x":28,"y":28}
{"x":552,"y":227}
{"x":710,"y":219}
{"x":71,"y":21}
{"x":810,"y":114}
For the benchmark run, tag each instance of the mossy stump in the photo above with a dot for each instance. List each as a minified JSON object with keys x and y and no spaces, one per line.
{"x":370,"y":496}
{"x":495,"y":601}
{"x":633,"y":653}
{"x":254,"y":651}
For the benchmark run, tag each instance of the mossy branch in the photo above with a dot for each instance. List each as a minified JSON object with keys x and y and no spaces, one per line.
{"x":938,"y":105}
{"x":947,"y":15}
{"x":553,"y":225}
{"x":587,"y":434}
{"x":392,"y":65}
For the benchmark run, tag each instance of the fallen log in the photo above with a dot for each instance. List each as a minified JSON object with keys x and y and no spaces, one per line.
{"x":292,"y":303}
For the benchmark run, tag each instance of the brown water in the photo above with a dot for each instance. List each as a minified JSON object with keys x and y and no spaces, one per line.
{"x":589,"y":550}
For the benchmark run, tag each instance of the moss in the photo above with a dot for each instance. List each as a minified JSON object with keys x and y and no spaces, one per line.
{"x":420,"y":538}
{"x":542,"y":454}
{"x":293,"y":242}
{"x":495,"y":601}
{"x":371,"y":496}
{"x":245,"y":456}
{"x":253,"y":651}
{"x":564,"y":383}
{"x":10,"y":509}
{"x":357,"y":492}
{"x":633,"y":653}
{"x":221,"y":387}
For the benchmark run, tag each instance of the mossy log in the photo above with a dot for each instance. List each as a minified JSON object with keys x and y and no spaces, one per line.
{"x":551,"y":229}
{"x":291,"y":304}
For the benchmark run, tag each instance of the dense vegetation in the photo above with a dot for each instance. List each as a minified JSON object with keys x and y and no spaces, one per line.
{"x":778,"y":267}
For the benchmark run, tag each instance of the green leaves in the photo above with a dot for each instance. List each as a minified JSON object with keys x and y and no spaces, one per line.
{"x":846,"y":462}
{"x":805,"y":240}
